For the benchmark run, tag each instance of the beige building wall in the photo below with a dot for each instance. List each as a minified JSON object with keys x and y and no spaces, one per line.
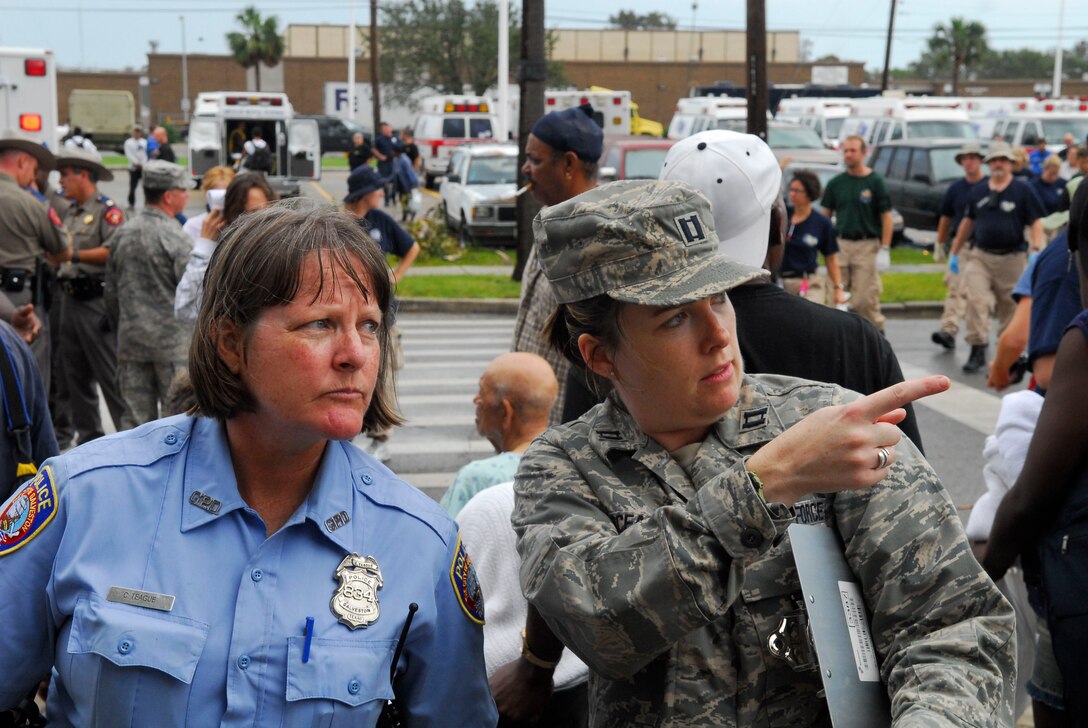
{"x":668,"y":46}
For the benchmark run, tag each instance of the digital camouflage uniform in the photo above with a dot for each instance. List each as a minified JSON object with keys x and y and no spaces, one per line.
{"x":668,"y":584}
{"x":88,"y":340}
{"x":147,"y":257}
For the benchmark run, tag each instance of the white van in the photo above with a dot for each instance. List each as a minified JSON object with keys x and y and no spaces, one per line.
{"x":445,"y":122}
{"x":28,"y":93}
{"x":884,"y":118}
{"x":1049,"y":119}
{"x":223,"y":120}
{"x":986,"y":111}
{"x":825,"y":116}
{"x":699,"y":113}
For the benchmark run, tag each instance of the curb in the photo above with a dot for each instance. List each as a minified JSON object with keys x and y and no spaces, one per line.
{"x":509,"y":306}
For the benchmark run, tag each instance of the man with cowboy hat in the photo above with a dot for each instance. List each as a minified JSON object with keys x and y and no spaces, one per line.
{"x":88,"y":349}
{"x":28,"y":231}
{"x":995,"y":217}
{"x":953,"y":208}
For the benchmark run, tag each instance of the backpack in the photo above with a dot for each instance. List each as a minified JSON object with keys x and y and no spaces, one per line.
{"x":260,"y":160}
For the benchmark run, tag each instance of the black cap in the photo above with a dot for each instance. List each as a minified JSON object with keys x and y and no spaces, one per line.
{"x":571,"y":130}
{"x":362,"y":181}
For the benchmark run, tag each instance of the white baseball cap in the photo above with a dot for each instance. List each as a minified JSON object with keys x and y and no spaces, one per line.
{"x":740,"y":176}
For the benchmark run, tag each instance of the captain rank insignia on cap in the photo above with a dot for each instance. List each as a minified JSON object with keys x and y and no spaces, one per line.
{"x":29,"y":510}
{"x":691,"y":228}
{"x":355,"y":602}
{"x":465,"y":584}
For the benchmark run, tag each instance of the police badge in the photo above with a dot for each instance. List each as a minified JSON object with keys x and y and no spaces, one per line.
{"x":355,"y":602}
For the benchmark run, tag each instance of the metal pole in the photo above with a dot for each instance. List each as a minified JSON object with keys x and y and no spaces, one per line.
{"x":375,"y":66}
{"x":757,"y":68}
{"x":888,"y":50}
{"x":184,"y":72}
{"x":504,"y":70}
{"x":351,"y":64}
{"x":532,"y":76}
{"x":1059,"y":53}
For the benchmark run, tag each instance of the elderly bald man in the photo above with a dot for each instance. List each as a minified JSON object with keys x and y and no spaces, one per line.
{"x":517,"y":391}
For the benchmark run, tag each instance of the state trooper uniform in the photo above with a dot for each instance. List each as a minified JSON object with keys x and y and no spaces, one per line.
{"x":134,"y":570}
{"x":88,"y":340}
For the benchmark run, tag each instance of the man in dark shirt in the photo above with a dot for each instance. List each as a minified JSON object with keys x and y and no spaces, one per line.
{"x":953,"y":208}
{"x":383,"y":150}
{"x":411,"y":149}
{"x":995,"y":216}
{"x":360,"y":152}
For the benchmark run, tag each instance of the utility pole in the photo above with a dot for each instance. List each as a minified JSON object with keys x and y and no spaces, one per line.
{"x":532,"y":75}
{"x":504,"y":71}
{"x":757,"y":68}
{"x":375,"y":66}
{"x":184,"y":73}
{"x":888,"y":50}
{"x":351,"y":64}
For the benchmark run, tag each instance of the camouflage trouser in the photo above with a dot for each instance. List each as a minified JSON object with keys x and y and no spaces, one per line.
{"x":987,"y":278}
{"x":857,"y":260}
{"x":144,"y":385}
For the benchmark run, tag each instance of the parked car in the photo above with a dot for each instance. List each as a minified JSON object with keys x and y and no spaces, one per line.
{"x":918,"y":171}
{"x":478,"y":191}
{"x":632,"y":158}
{"x":336,"y":133}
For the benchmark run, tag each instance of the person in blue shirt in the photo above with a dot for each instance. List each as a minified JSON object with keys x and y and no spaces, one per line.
{"x":1049,"y":185}
{"x":245,"y":564}
{"x":810,"y":235}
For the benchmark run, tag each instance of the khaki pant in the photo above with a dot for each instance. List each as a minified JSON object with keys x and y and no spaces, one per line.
{"x":955,"y":302}
{"x":817,"y":288}
{"x":988,"y":278}
{"x":857,"y":260}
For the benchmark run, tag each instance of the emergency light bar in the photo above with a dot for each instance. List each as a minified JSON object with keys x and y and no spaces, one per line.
{"x":30,"y":122}
{"x":34,"y":66}
{"x":452,"y":107}
{"x":254,"y":101}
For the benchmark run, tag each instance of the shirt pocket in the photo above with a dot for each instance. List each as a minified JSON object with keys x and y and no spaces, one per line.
{"x":132,"y":660}
{"x":344,"y":682}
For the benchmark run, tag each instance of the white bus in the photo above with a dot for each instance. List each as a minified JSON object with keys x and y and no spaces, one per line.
{"x":28,"y":93}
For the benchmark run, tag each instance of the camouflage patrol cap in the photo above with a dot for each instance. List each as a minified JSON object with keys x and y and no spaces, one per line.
{"x":638,"y":241}
{"x":160,"y":175}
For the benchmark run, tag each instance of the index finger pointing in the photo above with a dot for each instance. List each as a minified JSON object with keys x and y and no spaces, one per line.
{"x":878,"y":404}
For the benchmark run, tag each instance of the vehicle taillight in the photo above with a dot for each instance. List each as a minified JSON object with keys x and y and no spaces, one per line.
{"x":30,"y":122}
{"x":1049,"y":107}
{"x":34,"y":66}
{"x":616,"y":101}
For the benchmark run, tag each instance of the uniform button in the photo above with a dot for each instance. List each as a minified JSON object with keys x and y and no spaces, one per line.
{"x":124,"y":646}
{"x":353,"y":687}
{"x":751,"y":538}
{"x":243,"y":662}
{"x":367,"y":480}
{"x":170,"y":439}
{"x":256,"y":575}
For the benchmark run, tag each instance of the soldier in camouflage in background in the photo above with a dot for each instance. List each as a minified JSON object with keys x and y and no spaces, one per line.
{"x":652,"y":530}
{"x":147,"y":257}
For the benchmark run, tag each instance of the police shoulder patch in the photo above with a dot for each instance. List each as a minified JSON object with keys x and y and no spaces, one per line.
{"x":27,"y":512}
{"x":114,"y":216}
{"x":465,"y":584}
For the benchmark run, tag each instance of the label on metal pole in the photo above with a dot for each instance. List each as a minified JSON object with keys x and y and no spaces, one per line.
{"x":839,"y":625}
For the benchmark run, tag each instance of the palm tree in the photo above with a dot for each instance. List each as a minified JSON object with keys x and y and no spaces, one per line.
{"x":260,"y":41}
{"x":963,"y":43}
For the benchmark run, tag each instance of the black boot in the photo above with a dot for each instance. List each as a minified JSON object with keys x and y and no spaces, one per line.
{"x":944,"y":338}
{"x":977,"y":360}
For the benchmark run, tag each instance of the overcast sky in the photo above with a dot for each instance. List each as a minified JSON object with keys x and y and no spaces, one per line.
{"x":114,"y":34}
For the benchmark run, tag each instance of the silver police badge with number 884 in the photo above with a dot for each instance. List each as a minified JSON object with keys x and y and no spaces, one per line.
{"x":355,"y":603}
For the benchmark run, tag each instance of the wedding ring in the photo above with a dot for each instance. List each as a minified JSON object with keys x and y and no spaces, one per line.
{"x":882,"y":458}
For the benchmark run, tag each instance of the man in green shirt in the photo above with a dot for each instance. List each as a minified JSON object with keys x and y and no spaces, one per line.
{"x":858,"y":198}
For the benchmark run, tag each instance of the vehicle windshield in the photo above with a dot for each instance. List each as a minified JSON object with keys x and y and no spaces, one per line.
{"x":493,"y":171}
{"x":454,"y":128}
{"x":793,"y":137}
{"x":934,"y":129}
{"x":1056,"y":129}
{"x":833,"y":126}
{"x":740,"y":125}
{"x":643,"y":163}
{"x":944,"y":164}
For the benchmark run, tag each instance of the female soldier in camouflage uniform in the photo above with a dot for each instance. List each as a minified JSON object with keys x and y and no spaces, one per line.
{"x":652,"y":530}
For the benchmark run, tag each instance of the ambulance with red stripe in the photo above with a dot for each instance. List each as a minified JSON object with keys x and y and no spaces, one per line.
{"x":1049,"y":119}
{"x":28,"y":93}
{"x":446,"y":122}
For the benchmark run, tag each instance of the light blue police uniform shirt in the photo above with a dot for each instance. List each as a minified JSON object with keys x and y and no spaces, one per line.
{"x":157,"y":509}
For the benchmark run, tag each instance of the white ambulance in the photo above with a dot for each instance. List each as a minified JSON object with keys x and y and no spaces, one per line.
{"x":883,"y":118}
{"x":224,"y":120}
{"x":445,"y":122}
{"x":28,"y":93}
{"x":1049,"y":119}
{"x":699,"y":113}
{"x":986,"y":112}
{"x":824,"y":115}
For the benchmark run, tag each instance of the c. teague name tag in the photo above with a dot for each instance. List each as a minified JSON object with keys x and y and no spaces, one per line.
{"x":137,"y":598}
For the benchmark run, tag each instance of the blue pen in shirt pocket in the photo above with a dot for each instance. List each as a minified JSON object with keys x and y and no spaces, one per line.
{"x":309,"y":639}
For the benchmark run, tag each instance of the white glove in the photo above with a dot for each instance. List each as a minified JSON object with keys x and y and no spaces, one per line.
{"x":883,"y":260}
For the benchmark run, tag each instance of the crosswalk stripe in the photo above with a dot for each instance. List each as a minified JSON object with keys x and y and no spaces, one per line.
{"x":968,"y":406}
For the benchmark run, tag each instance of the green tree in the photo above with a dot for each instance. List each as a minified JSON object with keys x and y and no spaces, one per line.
{"x":957,"y":46}
{"x":630,"y":20}
{"x":1017,"y":63}
{"x":258,"y":43}
{"x":446,"y":46}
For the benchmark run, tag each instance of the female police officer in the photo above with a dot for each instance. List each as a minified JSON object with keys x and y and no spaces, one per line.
{"x":651,"y":530}
{"x":247,"y":565}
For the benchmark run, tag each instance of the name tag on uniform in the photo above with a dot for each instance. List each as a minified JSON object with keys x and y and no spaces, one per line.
{"x":137,"y":598}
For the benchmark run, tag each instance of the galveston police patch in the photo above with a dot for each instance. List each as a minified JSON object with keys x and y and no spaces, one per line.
{"x":27,"y":512}
{"x":465,"y":584}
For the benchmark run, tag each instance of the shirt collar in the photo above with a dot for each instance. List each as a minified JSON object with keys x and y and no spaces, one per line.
{"x":210,"y":489}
